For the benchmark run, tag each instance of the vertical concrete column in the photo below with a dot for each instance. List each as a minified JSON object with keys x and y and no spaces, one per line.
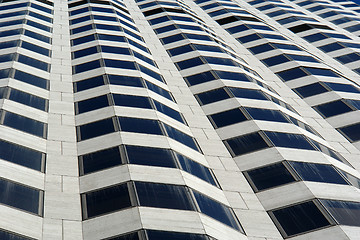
{"x":62,"y":208}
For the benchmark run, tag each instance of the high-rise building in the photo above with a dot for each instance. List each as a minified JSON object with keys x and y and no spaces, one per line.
{"x":179,"y":119}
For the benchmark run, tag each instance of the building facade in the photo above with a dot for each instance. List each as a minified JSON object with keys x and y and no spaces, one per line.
{"x":179,"y":119}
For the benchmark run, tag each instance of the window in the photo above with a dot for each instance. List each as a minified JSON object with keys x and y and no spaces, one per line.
{"x":139,"y":125}
{"x":332,"y":108}
{"x":345,"y":213}
{"x":168,"y":111}
{"x":331,"y":47}
{"x":261,"y":48}
{"x":289,"y":140}
{"x":352,"y":57}
{"x":266,"y":115}
{"x":291,"y":74}
{"x":212,"y":96}
{"x":299,"y":218}
{"x":125,"y":80}
{"x":99,"y":160}
{"x":246,"y":144}
{"x":22,"y":155}
{"x":318,"y":172}
{"x":83,"y":67}
{"x":216,"y":210}
{"x":28,"y":99}
{"x":156,"y":235}
{"x":163,"y":196}
{"x":132,"y":101}
{"x":24,"y":124}
{"x":275,"y":60}
{"x":95,"y":129}
{"x":269,"y":176}
{"x":105,"y":201}
{"x":5,"y":235}
{"x":88,"y":83}
{"x":181,"y":137}
{"x":226,"y":118}
{"x":352,"y":132}
{"x":150,"y":156}
{"x":248,"y":93}
{"x":200,"y":78}
{"x":310,"y":90}
{"x":92,"y":104}
{"x":21,"y":197}
{"x":189,"y":63}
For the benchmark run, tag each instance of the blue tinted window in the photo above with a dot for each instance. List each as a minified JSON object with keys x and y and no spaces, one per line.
{"x":248,"y":93}
{"x":292,"y":74}
{"x":88,"y":83}
{"x":248,"y":38}
{"x":163,"y":196}
{"x":20,"y":196}
{"x":132,"y":101}
{"x":189,"y":63}
{"x":85,"y":52}
{"x":216,"y":210}
{"x":100,"y":160}
{"x":150,"y":156}
{"x":332,"y":108}
{"x":96,"y":129}
{"x":81,"y":29}
{"x":352,"y":132}
{"x":228,"y":117}
{"x":275,"y":60}
{"x":24,"y":124}
{"x":212,"y":96}
{"x":28,"y":99}
{"x":266,"y":114}
{"x":270,"y":176}
{"x":151,"y":73}
{"x":38,"y":25}
{"x":156,"y":235}
{"x":345,"y":213}
{"x":31,"y":79}
{"x":82,"y":40}
{"x":140,"y":125}
{"x":261,"y":48}
{"x":331,"y":47}
{"x":181,"y":137}
{"x":168,"y":111}
{"x":34,"y":62}
{"x":86,"y":66}
{"x":125,"y":80}
{"x":289,"y":140}
{"x":195,"y":169}
{"x":200,"y":78}
{"x":317,"y":172}
{"x":310,"y":90}
{"x":159,"y":90}
{"x":35,"y":48}
{"x":352,"y":57}
{"x":246,"y":143}
{"x":107,"y":37}
{"x":37,"y":36}
{"x":180,"y":50}
{"x":173,"y":38}
{"x":300,"y":218}
{"x":106,"y":200}
{"x":92,"y":104}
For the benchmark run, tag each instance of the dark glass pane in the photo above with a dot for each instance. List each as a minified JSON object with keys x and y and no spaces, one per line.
{"x":270,"y":176}
{"x":24,"y":124}
{"x":228,"y":117}
{"x":161,"y":235}
{"x":246,"y":143}
{"x":200,"y":78}
{"x":34,"y":62}
{"x":213,"y":96}
{"x":266,"y":114}
{"x":168,"y":111}
{"x":332,"y":108}
{"x":163,"y":196}
{"x":189,"y":63}
{"x":345,"y":213}
{"x":159,"y":90}
{"x":106,"y":200}
{"x":140,"y":125}
{"x":28,"y":99}
{"x":20,"y":196}
{"x":342,"y":87}
{"x":150,"y":156}
{"x":233,"y":76}
{"x":216,"y":210}
{"x":92,"y":104}
{"x":300,"y":218}
{"x":261,"y":48}
{"x":86,"y":66}
{"x":289,"y":140}
{"x":248,"y":93}
{"x":100,"y":160}
{"x":318,"y":172}
{"x":195,"y":169}
{"x":352,"y":132}
{"x":88,"y":83}
{"x":132,"y":101}
{"x":181,"y":137}
{"x":10,"y":236}
{"x":292,"y":74}
{"x":310,"y":90}
{"x":31,"y":79}
{"x":96,"y":129}
{"x":125,"y":80}
{"x":272,"y":61}
{"x":21,"y":155}
{"x":129,"y":236}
